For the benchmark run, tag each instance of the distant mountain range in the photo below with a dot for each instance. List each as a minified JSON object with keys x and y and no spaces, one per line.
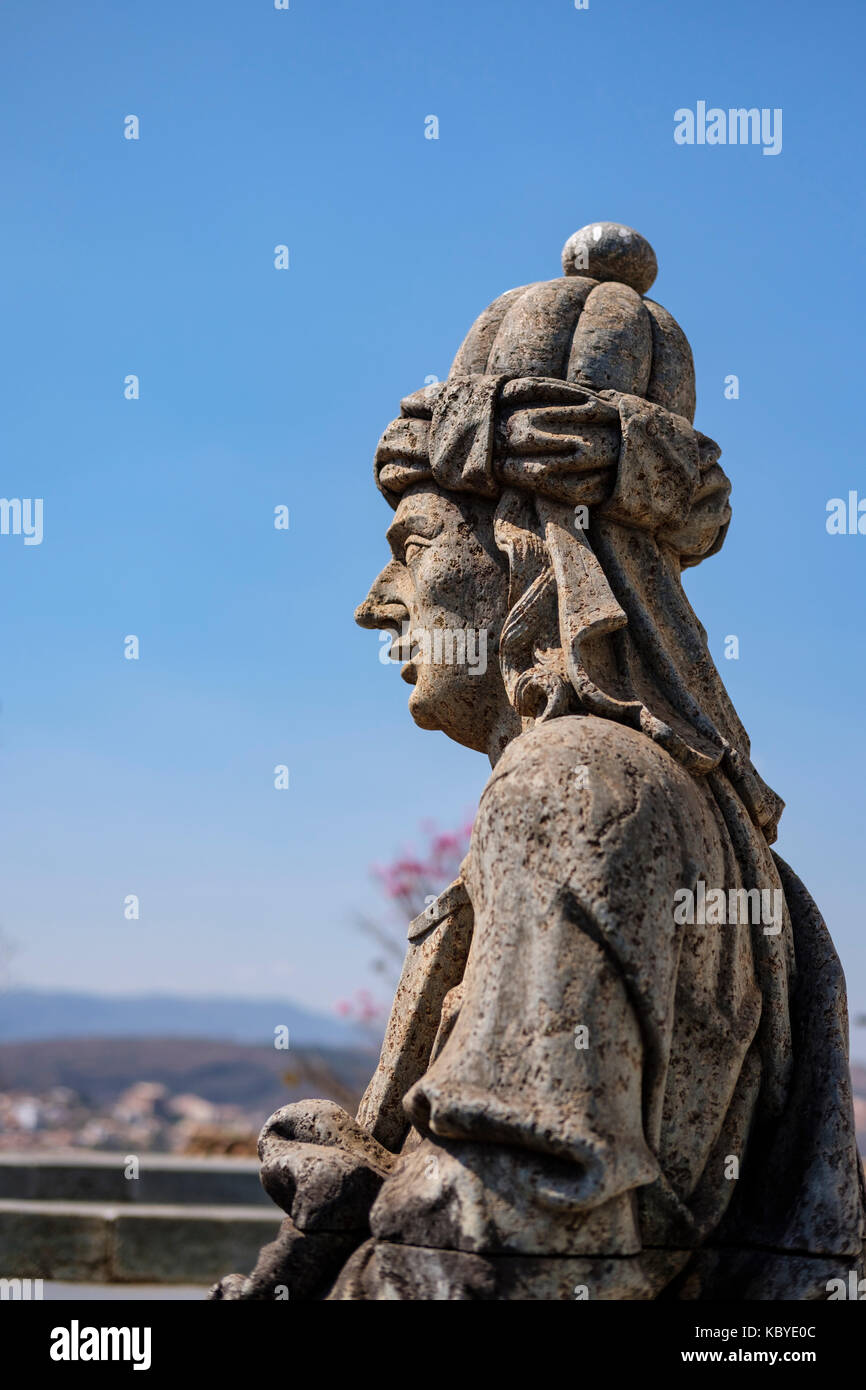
{"x":259,"y":1079}
{"x":27,"y":1015}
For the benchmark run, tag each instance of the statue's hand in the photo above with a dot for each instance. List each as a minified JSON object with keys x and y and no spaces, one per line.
{"x":230,"y":1288}
{"x":325,"y":1171}
{"x":321,"y":1167}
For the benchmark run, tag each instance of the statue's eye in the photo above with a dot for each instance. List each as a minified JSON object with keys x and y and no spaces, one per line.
{"x":412,"y":546}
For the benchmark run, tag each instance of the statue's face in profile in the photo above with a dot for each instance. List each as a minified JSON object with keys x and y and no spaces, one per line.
{"x":444,"y":596}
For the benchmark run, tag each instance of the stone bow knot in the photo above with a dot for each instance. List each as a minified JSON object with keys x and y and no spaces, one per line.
{"x":638,"y":463}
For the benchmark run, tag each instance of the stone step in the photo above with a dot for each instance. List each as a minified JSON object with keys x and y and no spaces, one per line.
{"x":85,"y":1176}
{"x":153,"y":1243}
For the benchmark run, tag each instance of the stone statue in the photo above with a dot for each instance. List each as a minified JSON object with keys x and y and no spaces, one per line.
{"x":616,"y":1065}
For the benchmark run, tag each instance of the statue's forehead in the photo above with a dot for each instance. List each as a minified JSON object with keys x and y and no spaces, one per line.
{"x":425,"y":498}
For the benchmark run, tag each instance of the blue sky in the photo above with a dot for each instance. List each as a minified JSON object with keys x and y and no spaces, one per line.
{"x":259,"y":387}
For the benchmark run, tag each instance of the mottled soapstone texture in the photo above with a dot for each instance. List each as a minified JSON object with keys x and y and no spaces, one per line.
{"x":582,"y":1093}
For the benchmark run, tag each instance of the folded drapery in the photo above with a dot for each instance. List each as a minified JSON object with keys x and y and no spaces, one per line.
{"x":639,"y":463}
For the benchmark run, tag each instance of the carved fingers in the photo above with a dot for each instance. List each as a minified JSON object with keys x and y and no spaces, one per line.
{"x":321,"y":1167}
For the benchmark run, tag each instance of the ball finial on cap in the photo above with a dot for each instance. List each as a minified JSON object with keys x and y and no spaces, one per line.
{"x":609,"y":251}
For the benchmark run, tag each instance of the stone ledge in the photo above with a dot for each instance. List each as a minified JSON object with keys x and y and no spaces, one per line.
{"x":86,"y":1176}
{"x":157,"y":1243}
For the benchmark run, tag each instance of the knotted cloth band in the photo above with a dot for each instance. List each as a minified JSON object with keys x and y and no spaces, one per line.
{"x":636,"y":462}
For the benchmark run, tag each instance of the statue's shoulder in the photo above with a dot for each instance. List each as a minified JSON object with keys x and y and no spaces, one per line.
{"x":538,"y":759}
{"x":542,"y":773}
{"x":573,"y":796}
{"x":578,"y":774}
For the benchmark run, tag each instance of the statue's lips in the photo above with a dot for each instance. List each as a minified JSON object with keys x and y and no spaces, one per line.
{"x":403,"y":649}
{"x":395,"y":618}
{"x":402,"y":646}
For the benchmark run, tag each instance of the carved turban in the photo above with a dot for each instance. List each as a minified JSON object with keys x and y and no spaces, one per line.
{"x":638,"y":463}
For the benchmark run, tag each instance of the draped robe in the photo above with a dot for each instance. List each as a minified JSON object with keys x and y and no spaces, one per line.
{"x":700,"y":1145}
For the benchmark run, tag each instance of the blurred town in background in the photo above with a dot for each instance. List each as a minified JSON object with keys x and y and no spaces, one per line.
{"x":199,"y":1077}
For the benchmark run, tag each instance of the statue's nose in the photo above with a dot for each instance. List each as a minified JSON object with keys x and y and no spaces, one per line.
{"x":383,"y":606}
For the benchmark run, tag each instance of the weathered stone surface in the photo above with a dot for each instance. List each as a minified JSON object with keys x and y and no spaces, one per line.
{"x":612,"y":348}
{"x":609,"y":251}
{"x":321,"y":1166}
{"x":672,"y":375}
{"x":762,"y":1275}
{"x":534,"y":337}
{"x":474,"y":352}
{"x":55,"y":1240}
{"x":296,"y":1265}
{"x":616,"y":1065}
{"x":95,"y":1176}
{"x":435,"y":961}
{"x":185,"y":1244}
{"x":493,"y":1199}
{"x":150,"y":1243}
{"x":390,"y":1273}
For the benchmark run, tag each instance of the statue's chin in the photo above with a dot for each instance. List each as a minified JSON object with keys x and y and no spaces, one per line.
{"x":433,"y":710}
{"x":422,"y":706}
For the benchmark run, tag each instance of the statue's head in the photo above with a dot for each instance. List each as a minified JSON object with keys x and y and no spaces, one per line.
{"x":444,"y":596}
{"x":546,"y":497}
